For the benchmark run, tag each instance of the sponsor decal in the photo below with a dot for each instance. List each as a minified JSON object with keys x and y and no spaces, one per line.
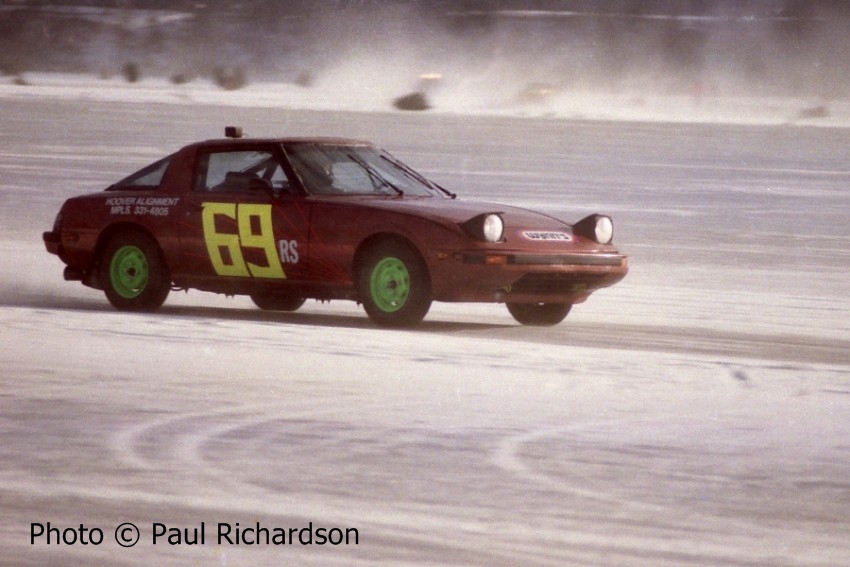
{"x":141,"y":206}
{"x":548,"y":235}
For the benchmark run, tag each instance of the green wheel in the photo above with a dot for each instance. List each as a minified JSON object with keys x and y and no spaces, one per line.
{"x":128,"y":272}
{"x":389,"y":284}
{"x":394,"y":285}
{"x":133,"y":273}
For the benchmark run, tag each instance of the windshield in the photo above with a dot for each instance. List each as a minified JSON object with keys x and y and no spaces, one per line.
{"x":334,"y":169}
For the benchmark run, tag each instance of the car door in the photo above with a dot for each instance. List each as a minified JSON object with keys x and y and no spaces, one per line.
{"x":242,"y":220}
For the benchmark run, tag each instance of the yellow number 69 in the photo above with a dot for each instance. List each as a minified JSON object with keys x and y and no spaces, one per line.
{"x":262,"y":238}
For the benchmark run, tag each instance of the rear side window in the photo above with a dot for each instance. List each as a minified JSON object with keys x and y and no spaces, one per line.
{"x":239,"y":171}
{"x":149,"y":177}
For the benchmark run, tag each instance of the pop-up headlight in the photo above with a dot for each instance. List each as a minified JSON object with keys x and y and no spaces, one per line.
{"x":488,"y":227}
{"x":596,"y":227}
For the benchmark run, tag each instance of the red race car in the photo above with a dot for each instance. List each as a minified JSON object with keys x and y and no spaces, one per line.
{"x":287,"y":219}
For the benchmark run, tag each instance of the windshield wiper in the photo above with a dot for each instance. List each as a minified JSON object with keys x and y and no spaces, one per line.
{"x":374,"y":175}
{"x":410,"y":172}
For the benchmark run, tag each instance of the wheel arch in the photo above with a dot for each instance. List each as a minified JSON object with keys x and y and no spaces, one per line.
{"x":380,"y":237}
{"x":108,"y":234}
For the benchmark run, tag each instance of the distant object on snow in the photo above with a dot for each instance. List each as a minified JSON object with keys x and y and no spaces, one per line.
{"x":819,"y":111}
{"x":418,"y":99}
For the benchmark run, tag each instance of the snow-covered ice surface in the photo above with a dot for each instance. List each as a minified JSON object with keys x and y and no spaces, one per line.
{"x":698,"y":413}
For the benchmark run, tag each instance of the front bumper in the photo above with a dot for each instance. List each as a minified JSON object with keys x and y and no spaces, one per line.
{"x":576,"y":259}
{"x":526,"y":278}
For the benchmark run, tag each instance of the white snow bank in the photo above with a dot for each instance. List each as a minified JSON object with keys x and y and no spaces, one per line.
{"x":351,"y":91}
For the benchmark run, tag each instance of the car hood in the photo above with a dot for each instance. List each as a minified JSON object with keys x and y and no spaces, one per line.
{"x":524,"y":229}
{"x":457,"y":211}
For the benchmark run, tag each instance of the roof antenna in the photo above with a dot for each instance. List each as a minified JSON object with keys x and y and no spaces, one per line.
{"x":233,"y":131}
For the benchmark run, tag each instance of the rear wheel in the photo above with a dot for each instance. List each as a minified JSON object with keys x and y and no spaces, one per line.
{"x":393,"y":284}
{"x":133,"y":272}
{"x":539,"y":314}
{"x":277,"y":302}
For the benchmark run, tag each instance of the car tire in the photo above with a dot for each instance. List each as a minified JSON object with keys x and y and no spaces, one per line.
{"x":133,"y":272}
{"x":539,"y":314}
{"x":277,"y":302}
{"x":394,"y":285}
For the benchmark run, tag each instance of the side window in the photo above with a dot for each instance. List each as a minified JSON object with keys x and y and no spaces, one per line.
{"x":147,"y":177}
{"x":239,"y":171}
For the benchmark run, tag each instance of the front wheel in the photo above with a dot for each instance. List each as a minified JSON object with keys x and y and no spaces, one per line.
{"x":394,"y":285}
{"x":133,"y":272}
{"x":539,"y":314}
